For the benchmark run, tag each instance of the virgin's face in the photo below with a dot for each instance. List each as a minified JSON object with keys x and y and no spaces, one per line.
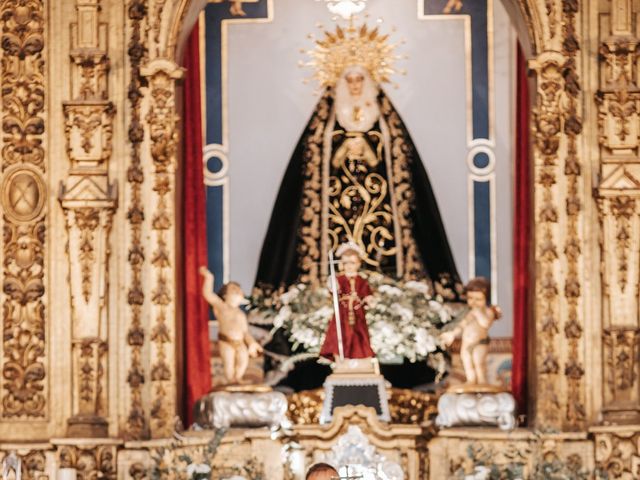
{"x":355,"y":82}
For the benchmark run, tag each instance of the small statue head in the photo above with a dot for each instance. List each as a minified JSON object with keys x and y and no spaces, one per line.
{"x":478,"y":292}
{"x":232,"y":294}
{"x":350,"y":257}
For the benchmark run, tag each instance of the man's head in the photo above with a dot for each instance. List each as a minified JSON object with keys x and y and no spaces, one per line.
{"x":322,"y":471}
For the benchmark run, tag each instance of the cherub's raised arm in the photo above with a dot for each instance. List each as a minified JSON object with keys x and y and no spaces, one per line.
{"x":207,"y":288}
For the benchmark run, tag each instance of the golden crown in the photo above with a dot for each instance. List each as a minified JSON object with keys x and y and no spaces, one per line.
{"x":349,"y":46}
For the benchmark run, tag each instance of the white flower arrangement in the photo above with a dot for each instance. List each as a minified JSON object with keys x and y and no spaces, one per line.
{"x":404,"y":318}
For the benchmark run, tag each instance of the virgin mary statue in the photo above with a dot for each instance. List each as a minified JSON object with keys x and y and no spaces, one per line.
{"x":355,"y":176}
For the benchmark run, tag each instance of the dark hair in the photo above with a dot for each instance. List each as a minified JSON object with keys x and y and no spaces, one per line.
{"x":320,"y":468}
{"x":223,"y":291}
{"x":480,"y":284}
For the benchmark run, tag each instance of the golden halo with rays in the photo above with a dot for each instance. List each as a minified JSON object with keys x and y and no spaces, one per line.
{"x":352,"y":45}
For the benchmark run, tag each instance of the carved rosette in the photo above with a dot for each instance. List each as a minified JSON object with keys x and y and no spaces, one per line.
{"x":618,"y":194}
{"x":162,"y":122}
{"x":23,"y":387}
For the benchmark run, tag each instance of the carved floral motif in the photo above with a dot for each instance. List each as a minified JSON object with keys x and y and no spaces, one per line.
{"x":617,"y":454}
{"x":572,"y":125}
{"x":547,"y":124}
{"x":622,"y":208}
{"x":87,"y":220}
{"x":32,"y":463}
{"x":24,"y":389}
{"x":91,"y":462}
{"x":137,"y":421}
{"x":162,"y":121}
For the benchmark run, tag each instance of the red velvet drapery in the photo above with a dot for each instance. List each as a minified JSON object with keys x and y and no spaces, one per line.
{"x":522,"y":238}
{"x":197,"y":370}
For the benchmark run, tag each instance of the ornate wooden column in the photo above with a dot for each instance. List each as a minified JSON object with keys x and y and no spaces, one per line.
{"x":151,"y":313}
{"x":618,"y":196}
{"x":88,"y":199}
{"x":560,"y":232}
{"x":163,"y":135}
{"x":24,"y":351}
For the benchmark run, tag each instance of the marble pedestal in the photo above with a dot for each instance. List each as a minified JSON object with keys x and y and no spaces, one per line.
{"x":459,"y":409}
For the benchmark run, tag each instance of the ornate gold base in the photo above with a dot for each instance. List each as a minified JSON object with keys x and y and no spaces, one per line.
{"x":476,"y":388}
{"x":87,"y":426}
{"x":356,"y":366}
{"x":405,"y":406}
{"x":231,"y":388}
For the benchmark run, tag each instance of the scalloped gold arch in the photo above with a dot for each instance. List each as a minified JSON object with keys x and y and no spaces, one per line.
{"x":184,"y":14}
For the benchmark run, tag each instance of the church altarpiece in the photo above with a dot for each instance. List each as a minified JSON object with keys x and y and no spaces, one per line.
{"x":89,"y":154}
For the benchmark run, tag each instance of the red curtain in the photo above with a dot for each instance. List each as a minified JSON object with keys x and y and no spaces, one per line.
{"x":197,"y":370}
{"x":522,"y":238}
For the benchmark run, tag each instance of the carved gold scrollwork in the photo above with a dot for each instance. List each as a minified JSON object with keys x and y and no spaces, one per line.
{"x":91,"y":462}
{"x":23,"y":321}
{"x":88,"y":127}
{"x":617,"y":453}
{"x":405,"y":407}
{"x":23,"y":391}
{"x":32,"y":463}
{"x":310,"y":231}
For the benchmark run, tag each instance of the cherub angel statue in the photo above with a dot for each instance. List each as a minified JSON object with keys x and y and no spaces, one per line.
{"x":236,"y":343}
{"x":474,"y":329}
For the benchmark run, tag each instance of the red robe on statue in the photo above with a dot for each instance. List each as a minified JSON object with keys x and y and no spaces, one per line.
{"x":355,"y":335}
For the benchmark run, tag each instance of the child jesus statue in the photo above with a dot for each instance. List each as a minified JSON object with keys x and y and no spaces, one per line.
{"x":353,"y":294}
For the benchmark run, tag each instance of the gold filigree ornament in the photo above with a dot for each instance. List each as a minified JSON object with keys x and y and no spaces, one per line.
{"x":352,"y":45}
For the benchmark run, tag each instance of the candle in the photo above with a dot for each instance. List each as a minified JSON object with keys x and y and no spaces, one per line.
{"x":67,"y":474}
